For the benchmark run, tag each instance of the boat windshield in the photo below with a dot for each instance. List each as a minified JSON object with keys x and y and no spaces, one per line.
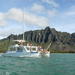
{"x":31,"y":48}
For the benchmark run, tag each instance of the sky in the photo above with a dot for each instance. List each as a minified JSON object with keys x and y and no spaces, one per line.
{"x":17,"y":16}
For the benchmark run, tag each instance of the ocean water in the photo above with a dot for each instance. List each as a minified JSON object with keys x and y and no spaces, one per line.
{"x":57,"y":64}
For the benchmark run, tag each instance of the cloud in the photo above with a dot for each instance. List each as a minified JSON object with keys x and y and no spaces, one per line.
{"x":22,"y":16}
{"x":16,"y":14}
{"x":3,"y":23}
{"x":37,"y":7}
{"x":66,"y":28}
{"x":52,"y":3}
{"x":31,"y":19}
{"x":41,"y":9}
{"x":6,"y":31}
{"x":2,"y":19}
{"x":52,"y":13}
{"x":70,"y":11}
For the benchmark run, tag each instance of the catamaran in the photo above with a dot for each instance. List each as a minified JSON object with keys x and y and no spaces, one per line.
{"x":20,"y":50}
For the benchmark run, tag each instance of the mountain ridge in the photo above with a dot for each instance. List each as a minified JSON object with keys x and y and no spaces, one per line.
{"x":61,"y":41}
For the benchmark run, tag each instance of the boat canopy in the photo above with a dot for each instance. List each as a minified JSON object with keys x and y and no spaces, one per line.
{"x":19,"y":40}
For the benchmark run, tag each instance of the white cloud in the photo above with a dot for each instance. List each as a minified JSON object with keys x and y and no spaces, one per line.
{"x":3,"y":23}
{"x":2,"y":16}
{"x":51,"y":2}
{"x":52,"y":13}
{"x":41,"y":9}
{"x":37,"y":7}
{"x":70,"y":11}
{"x":17,"y":15}
{"x":7,"y":31}
{"x":66,"y":28}
{"x":2,"y":19}
{"x":31,"y":19}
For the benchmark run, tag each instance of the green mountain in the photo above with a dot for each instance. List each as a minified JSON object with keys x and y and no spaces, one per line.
{"x":61,"y":41}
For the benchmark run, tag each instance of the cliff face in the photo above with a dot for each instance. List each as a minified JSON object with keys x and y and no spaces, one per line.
{"x":61,"y":41}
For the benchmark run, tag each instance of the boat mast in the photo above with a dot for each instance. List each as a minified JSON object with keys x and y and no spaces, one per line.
{"x":23,"y":26}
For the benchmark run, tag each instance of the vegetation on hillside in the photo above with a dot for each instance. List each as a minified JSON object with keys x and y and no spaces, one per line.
{"x":61,"y":41}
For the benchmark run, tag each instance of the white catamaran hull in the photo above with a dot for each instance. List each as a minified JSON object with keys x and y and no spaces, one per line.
{"x":22,"y":54}
{"x":28,"y":54}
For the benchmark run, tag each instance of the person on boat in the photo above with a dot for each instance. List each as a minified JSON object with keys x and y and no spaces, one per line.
{"x":40,"y":48}
{"x":30,"y":44}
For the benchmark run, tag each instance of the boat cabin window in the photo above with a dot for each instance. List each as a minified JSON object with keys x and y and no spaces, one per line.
{"x":28,"y":48}
{"x":31,"y":48}
{"x":12,"y":48}
{"x":34,"y":49}
{"x":20,"y":48}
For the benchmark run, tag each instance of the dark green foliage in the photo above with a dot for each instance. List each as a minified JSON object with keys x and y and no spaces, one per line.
{"x":4,"y":45}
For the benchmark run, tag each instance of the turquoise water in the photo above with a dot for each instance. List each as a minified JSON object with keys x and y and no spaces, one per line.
{"x":57,"y":64}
